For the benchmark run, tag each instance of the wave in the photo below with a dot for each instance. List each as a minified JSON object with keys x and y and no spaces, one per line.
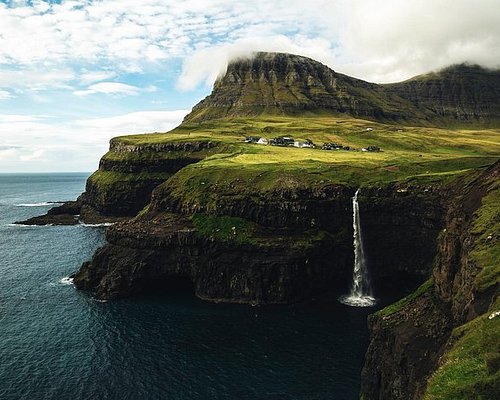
{"x":41,"y":204}
{"x":28,"y":226}
{"x":97,"y":225}
{"x":66,"y":280}
{"x":98,"y":300}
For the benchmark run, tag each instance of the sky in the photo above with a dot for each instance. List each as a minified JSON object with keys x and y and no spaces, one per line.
{"x":74,"y":74}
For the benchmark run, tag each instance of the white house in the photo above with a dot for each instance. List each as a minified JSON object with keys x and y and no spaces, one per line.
{"x":262,"y":141}
{"x":300,"y":144}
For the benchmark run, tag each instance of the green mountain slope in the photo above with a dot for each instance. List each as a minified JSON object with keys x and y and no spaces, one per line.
{"x":291,"y":85}
{"x":461,"y":92}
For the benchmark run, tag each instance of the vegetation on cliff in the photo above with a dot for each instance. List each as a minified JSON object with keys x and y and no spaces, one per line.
{"x":470,"y":368}
{"x":464,"y":335}
{"x":417,"y":152}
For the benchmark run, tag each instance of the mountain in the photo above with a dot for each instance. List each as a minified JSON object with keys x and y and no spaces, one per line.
{"x":286,"y":84}
{"x":462,"y":92}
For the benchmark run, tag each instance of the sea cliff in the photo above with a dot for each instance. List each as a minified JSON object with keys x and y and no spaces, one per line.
{"x":441,"y":342}
{"x":243,"y":222}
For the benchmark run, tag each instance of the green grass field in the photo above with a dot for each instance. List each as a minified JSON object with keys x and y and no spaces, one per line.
{"x":422,"y":154}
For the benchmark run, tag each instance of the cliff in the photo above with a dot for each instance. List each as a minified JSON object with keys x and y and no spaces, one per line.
{"x":224,"y":259}
{"x":442,"y":341}
{"x":265,"y":224}
{"x":275,"y":247}
{"x":276,"y":94}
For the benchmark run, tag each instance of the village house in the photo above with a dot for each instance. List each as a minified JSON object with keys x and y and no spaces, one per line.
{"x":262,"y":140}
{"x":371,"y":148}
{"x":282,"y":141}
{"x":252,"y":139}
{"x":332,"y":146}
{"x":306,"y":143}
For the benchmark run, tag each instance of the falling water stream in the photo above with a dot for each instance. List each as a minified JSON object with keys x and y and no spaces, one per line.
{"x":361,"y":292}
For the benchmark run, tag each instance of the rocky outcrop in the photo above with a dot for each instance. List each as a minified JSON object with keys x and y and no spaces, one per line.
{"x":64,"y":214}
{"x":128,"y":173}
{"x":270,"y":267}
{"x":410,"y":339}
{"x":123,"y":184}
{"x":405,"y":347}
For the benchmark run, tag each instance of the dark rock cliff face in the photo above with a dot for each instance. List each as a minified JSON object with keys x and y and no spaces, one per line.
{"x":281,"y":269}
{"x":400,"y":226}
{"x":128,"y":174}
{"x":404,"y":349}
{"x":408,"y":339}
{"x":327,"y":208}
{"x":303,"y":245}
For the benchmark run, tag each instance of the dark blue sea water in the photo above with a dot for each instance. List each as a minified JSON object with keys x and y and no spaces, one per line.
{"x":59,"y":343}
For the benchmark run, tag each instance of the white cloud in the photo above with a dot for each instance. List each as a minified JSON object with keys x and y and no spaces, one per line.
{"x":4,"y":95}
{"x":394,"y":40}
{"x":18,"y":118}
{"x":33,"y":156}
{"x":373,"y":39}
{"x":206,"y":64}
{"x":35,"y":78}
{"x":7,"y":153}
{"x":42,"y":143}
{"x":136,"y":122}
{"x":89,"y":77}
{"x":109,"y":88}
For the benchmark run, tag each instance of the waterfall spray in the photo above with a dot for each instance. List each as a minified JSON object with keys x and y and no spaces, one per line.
{"x":361,"y":292}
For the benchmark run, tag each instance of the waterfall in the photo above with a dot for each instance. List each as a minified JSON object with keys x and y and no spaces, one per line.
{"x":361,"y":292}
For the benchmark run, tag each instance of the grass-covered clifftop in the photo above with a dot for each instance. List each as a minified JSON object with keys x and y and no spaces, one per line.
{"x":424,"y":154}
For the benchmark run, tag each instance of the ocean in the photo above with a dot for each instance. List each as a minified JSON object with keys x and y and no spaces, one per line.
{"x":60,"y":343}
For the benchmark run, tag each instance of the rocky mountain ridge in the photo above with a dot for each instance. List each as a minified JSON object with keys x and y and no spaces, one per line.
{"x":285,"y":84}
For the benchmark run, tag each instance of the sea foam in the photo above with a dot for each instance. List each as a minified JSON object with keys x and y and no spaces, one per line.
{"x":41,"y":204}
{"x":66,"y":280}
{"x":96,"y":225}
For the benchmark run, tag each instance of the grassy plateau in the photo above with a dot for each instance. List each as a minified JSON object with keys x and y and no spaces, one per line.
{"x":422,"y":154}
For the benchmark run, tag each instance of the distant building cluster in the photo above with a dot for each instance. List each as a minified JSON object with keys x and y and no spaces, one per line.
{"x":371,"y":148}
{"x":284,"y":141}
{"x":288,"y":141}
{"x":334,"y":146}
